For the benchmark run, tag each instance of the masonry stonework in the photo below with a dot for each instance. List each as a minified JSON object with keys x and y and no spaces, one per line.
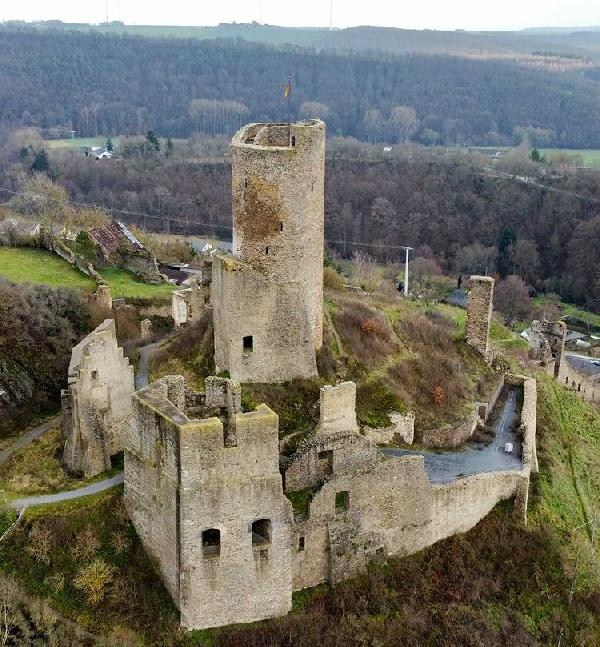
{"x":213,"y":516}
{"x":268,"y":298}
{"x":97,"y":402}
{"x":479,"y":313}
{"x":547,"y":343}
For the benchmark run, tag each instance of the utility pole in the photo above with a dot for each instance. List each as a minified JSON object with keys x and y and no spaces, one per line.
{"x":330,"y":15}
{"x":406,"y":272}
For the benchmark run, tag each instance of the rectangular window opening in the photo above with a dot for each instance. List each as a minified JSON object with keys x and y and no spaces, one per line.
{"x":280,"y":226}
{"x":211,"y":542}
{"x":267,"y":249}
{"x":325,"y":459}
{"x":248,"y":344}
{"x":261,"y":532}
{"x":300,"y":544}
{"x":94,"y":375}
{"x":342,"y":501}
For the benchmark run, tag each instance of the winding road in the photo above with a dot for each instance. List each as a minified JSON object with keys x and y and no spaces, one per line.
{"x":447,"y":466}
{"x":141,"y":380}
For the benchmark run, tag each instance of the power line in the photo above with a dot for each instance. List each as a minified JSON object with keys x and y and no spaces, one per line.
{"x":188,"y":223}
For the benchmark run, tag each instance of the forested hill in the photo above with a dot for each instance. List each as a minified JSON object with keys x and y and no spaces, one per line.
{"x":96,"y":83}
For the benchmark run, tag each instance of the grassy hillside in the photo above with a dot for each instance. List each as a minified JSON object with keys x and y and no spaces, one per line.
{"x":38,"y":266}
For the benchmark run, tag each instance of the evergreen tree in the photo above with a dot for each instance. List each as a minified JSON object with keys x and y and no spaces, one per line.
{"x":40,"y":162}
{"x":109,"y":145}
{"x":153,"y":143}
{"x":169,"y":150}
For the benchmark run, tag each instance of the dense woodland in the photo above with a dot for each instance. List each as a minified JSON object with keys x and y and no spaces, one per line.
{"x":451,"y":208}
{"x":102,"y":84}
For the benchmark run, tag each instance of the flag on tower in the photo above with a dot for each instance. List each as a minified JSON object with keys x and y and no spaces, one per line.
{"x":288,"y":88}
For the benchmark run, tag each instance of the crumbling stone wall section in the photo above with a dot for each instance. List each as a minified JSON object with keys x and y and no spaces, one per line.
{"x":213,"y":517}
{"x":97,"y":402}
{"x":338,"y":408}
{"x":189,"y":302}
{"x":278,"y":236}
{"x":402,"y":428}
{"x":336,"y":446}
{"x":479,"y":313}
{"x":547,"y":343}
{"x":391,"y":508}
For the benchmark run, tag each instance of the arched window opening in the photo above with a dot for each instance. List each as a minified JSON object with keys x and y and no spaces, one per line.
{"x":261,"y":532}
{"x":211,"y":542}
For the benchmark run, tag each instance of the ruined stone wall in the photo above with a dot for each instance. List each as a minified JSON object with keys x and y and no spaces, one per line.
{"x":393,"y":509}
{"x":189,"y":303}
{"x":97,"y":402}
{"x":586,"y":386}
{"x":323,"y":456}
{"x":402,"y":428}
{"x":338,"y":408}
{"x":479,"y":313}
{"x":451,"y":435}
{"x":547,"y":343}
{"x":181,"y":481}
{"x":151,"y":491}
{"x":272,"y":315}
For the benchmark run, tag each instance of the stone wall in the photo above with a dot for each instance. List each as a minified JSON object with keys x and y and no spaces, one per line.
{"x":547,"y":343}
{"x":184,"y":488}
{"x":391,"y":508}
{"x":57,"y":246}
{"x":586,"y":386}
{"x":479,"y":313}
{"x":338,"y":408}
{"x":97,"y":402}
{"x":262,"y":332}
{"x":189,"y":303}
{"x":455,"y":435}
{"x":402,"y":428}
{"x":270,"y":301}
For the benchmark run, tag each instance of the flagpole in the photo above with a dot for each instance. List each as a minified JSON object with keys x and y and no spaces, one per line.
{"x":289,"y":110}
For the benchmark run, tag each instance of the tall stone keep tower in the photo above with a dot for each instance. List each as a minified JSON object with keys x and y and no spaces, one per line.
{"x":268,"y":296}
{"x":479,"y":313}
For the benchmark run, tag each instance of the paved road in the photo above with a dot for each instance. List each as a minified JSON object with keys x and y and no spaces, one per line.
{"x":141,"y":380}
{"x":93,"y":488}
{"x":146,"y":354}
{"x":476,"y":457}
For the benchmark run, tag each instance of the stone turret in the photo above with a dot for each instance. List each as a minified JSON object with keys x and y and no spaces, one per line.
{"x":268,"y":298}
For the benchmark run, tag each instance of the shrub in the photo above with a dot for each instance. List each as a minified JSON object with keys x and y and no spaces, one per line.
{"x":331,"y":279}
{"x":93,"y":580}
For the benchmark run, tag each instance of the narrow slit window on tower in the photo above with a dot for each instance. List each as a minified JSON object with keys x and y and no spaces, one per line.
{"x":300,"y":544}
{"x":94,"y":375}
{"x":211,"y":542}
{"x":293,"y":141}
{"x":280,"y":226}
{"x":267,"y":249}
{"x":248,"y":344}
{"x":261,"y":532}
{"x":246,"y":184}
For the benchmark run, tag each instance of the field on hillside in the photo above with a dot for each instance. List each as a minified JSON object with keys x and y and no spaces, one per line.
{"x":27,"y":265}
{"x":80,"y":142}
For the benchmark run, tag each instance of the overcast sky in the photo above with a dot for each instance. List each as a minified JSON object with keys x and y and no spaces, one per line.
{"x":432,"y":14}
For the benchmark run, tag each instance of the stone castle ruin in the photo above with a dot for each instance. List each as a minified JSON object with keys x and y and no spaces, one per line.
{"x":268,"y":297}
{"x":479,"y":313}
{"x":547,"y":344}
{"x":233,"y":527}
{"x":206,"y":497}
{"x":97,"y":402}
